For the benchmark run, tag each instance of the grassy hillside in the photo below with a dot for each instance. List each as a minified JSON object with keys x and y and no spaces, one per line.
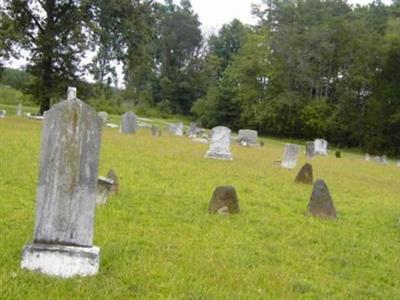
{"x":159,"y":242}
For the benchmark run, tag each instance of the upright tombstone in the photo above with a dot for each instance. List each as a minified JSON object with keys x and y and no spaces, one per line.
{"x":290,"y":155}
{"x":305,"y":174}
{"x":310,"y":149}
{"x":2,"y":113}
{"x":224,"y":201}
{"x":249,"y":136}
{"x":220,"y":144}
{"x":114,"y":177}
{"x":192,"y":130}
{"x":321,"y":203}
{"x":179,"y":129}
{"x":19,"y":110}
{"x":321,"y":147}
{"x":384,"y":160}
{"x":129,"y":123}
{"x":367,"y":157}
{"x":104,"y":116}
{"x":66,"y":193}
{"x":104,"y":185}
{"x":155,"y":131}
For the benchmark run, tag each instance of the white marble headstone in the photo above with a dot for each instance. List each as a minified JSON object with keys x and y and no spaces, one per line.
{"x":19,"y":110}
{"x":321,"y":147}
{"x":367,"y":157}
{"x":71,"y":94}
{"x":248,"y":135}
{"x":290,"y":155}
{"x":220,"y":143}
{"x":2,"y":113}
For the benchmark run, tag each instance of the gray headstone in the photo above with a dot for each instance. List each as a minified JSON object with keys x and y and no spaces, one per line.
{"x":66,"y":195}
{"x":321,"y":203}
{"x":305,"y":174}
{"x":19,"y":110}
{"x":2,"y":113}
{"x":104,"y":116}
{"x":367,"y":157}
{"x":114,"y":177}
{"x":290,"y":155}
{"x":155,"y":131}
{"x":129,"y":123}
{"x":179,"y":129}
{"x":71,"y":94}
{"x":104,"y":186}
{"x":321,"y":147}
{"x":224,"y":201}
{"x":310,"y":150}
{"x":220,"y":144}
{"x":192,"y":130}
{"x":249,"y":135}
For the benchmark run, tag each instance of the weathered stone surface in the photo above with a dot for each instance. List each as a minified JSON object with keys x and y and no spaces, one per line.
{"x":104,"y":186}
{"x":290,"y":155}
{"x":179,"y":129}
{"x":19,"y":110}
{"x":367,"y":157}
{"x":305,"y":174}
{"x":310,"y":150}
{"x":398,"y":163}
{"x":3,"y":113}
{"x":384,"y":160}
{"x":321,"y":203}
{"x":321,"y":147}
{"x":200,"y":140}
{"x":114,"y":177}
{"x":220,"y":144}
{"x":250,"y":136}
{"x":155,"y":131}
{"x":66,"y":193}
{"x":224,"y":200}
{"x":61,"y":261}
{"x":129,"y":123}
{"x":104,"y":116}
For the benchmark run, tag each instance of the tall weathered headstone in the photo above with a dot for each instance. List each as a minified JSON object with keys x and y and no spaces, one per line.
{"x":305,"y":174}
{"x":179,"y":129}
{"x":224,"y":201}
{"x":19,"y":110}
{"x":321,"y":147}
{"x":290,"y":155}
{"x":129,"y":123}
{"x":2,"y":113}
{"x":321,"y":203}
{"x":250,"y":136}
{"x":66,"y":194}
{"x":310,"y":149}
{"x":220,"y":144}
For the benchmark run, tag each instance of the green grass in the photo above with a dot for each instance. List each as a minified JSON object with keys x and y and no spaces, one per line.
{"x":159,"y":242}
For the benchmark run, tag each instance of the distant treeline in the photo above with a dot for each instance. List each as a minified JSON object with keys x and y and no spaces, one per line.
{"x":308,"y":69}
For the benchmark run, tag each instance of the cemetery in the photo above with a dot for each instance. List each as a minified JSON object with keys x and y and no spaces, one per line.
{"x":166,"y":222}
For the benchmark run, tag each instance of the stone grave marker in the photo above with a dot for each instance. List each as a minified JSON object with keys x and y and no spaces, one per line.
{"x":155,"y":131}
{"x":2,"y":113}
{"x":114,"y":177}
{"x":367,"y":157}
{"x":305,"y":174}
{"x":321,"y":203}
{"x":384,"y":160}
{"x":321,"y":147}
{"x":19,"y":110}
{"x":179,"y":129}
{"x":310,"y":149}
{"x":224,"y":201}
{"x":248,"y":136}
{"x":129,"y":123}
{"x":398,"y":163}
{"x":104,"y":186}
{"x":66,"y":193}
{"x":104,"y":116}
{"x":220,"y":144}
{"x":290,"y":155}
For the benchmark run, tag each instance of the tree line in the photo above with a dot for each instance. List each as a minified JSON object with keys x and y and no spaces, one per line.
{"x":307,"y":69}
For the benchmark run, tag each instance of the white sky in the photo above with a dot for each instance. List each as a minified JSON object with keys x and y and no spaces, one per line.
{"x":214,"y":13}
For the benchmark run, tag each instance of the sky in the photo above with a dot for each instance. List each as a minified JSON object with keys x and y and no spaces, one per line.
{"x":214,"y":13}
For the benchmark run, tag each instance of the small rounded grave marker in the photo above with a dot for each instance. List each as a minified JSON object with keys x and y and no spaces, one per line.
{"x":305,"y":174}
{"x":321,"y":204}
{"x":224,"y":200}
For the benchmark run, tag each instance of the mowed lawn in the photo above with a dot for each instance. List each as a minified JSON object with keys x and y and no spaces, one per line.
{"x":159,"y":242}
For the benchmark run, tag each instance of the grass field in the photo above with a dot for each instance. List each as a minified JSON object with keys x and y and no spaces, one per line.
{"x":159,"y":242}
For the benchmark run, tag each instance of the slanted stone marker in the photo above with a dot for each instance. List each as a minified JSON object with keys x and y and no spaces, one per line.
{"x":66,"y":193}
{"x":104,"y":116}
{"x":104,"y":186}
{"x":321,"y":147}
{"x":129,"y":123}
{"x":290,"y":155}
{"x":220,"y":144}
{"x":305,"y":174}
{"x":19,"y":110}
{"x":321,"y":204}
{"x":248,"y":136}
{"x":224,"y":201}
{"x":310,"y":149}
{"x":114,"y":177}
{"x":2,"y":113}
